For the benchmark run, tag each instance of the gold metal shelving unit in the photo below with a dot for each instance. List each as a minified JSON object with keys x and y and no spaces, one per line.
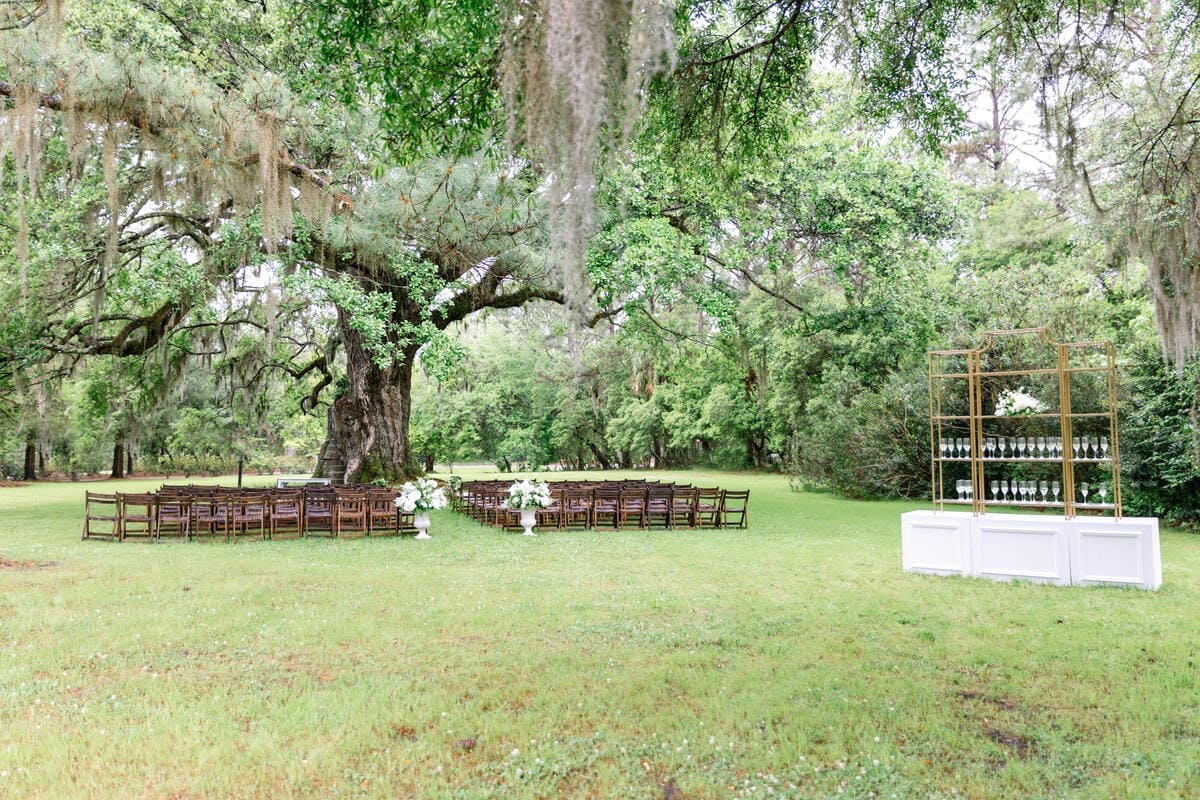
{"x":964,"y":383}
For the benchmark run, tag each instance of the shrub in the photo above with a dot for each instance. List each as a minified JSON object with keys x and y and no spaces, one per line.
{"x":1160,"y":445}
{"x":865,"y":442}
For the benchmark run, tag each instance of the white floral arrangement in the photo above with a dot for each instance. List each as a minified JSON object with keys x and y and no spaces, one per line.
{"x":1013,"y":403}
{"x":529,"y":494}
{"x":420,"y":496}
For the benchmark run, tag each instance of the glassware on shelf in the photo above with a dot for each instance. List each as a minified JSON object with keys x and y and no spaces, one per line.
{"x":1084,"y":489}
{"x":1085,"y":445}
{"x":1004,"y":494}
{"x":1003,"y":444}
{"x":1102,"y":490}
{"x":944,"y":447}
{"x":1044,"y":491}
{"x":989,"y":447}
{"x":995,"y":485}
{"x":1104,"y":447}
{"x":966,"y":448}
{"x":959,"y":444}
{"x":1020,"y":451}
{"x":1075,"y":447}
{"x":1041,"y":446}
{"x":1056,"y":488}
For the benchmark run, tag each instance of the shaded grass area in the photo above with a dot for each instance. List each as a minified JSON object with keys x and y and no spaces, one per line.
{"x":793,"y":659}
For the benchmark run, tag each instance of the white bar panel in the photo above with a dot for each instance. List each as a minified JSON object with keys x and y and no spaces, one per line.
{"x":1123,"y":552}
{"x":1011,"y":547}
{"x":936,"y":542}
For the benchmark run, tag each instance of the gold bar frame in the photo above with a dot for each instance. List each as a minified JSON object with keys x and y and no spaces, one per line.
{"x":974,"y":376}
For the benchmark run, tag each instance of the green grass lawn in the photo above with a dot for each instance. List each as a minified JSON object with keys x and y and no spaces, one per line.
{"x":793,"y":659}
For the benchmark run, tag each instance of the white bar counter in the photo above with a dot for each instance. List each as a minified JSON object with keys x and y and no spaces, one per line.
{"x":1035,"y":547}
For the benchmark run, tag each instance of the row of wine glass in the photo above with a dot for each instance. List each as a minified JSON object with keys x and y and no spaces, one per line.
{"x":1049,"y":447}
{"x":1031,"y":492}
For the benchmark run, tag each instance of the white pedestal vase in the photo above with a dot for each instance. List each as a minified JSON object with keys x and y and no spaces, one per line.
{"x":529,"y":520}
{"x":421,"y":523}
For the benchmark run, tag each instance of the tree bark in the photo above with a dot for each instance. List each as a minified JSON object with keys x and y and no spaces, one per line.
{"x":30,"y":461}
{"x":602,"y":459}
{"x":118,"y":462}
{"x":370,"y":418}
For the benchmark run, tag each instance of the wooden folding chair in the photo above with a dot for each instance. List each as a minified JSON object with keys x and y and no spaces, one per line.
{"x":285,"y":514}
{"x":708,"y":507}
{"x":318,"y":512}
{"x":631,"y":507}
{"x":551,"y":517}
{"x":138,"y":516}
{"x":577,"y":509}
{"x":606,"y":507}
{"x":248,"y":516}
{"x":350,"y":514}
{"x":210,"y":515}
{"x":383,"y":517}
{"x":659,"y":507}
{"x":733,"y":508}
{"x":101,"y":516}
{"x":684,"y":501}
{"x":174,"y":515}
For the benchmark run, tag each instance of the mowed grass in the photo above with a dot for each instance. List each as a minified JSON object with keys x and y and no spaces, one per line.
{"x":793,"y":659}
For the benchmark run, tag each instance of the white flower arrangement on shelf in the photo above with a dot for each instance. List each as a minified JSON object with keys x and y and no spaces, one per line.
{"x":529,"y":494}
{"x":420,"y":496}
{"x":1014,"y":403}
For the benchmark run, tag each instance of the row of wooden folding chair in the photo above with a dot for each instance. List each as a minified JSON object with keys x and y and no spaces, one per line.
{"x":613,"y":504}
{"x":188,"y":512}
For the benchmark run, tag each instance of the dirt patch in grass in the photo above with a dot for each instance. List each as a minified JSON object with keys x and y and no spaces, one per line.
{"x":999,"y":702}
{"x":1019,"y":745}
{"x":1013,"y":743}
{"x":8,"y":563}
{"x":12,"y":484}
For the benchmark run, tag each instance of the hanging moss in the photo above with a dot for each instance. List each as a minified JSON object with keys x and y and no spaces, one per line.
{"x":573,"y":76}
{"x":268,"y":177}
{"x":113,"y":190}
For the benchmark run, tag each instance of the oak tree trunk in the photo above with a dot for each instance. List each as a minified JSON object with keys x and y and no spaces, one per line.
{"x":118,"y":462}
{"x":368,"y":428}
{"x":30,"y":461}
